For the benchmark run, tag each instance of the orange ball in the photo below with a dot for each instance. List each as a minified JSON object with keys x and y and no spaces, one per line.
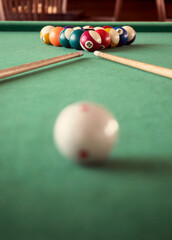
{"x":54,"y":36}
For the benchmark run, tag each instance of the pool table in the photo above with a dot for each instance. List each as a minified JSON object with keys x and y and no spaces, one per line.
{"x":44,"y":196}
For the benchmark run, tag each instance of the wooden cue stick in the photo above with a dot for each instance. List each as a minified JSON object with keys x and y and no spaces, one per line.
{"x":165,"y":72}
{"x":34,"y":65}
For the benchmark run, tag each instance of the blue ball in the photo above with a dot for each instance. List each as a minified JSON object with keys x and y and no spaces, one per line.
{"x":64,"y":37}
{"x":123,"y":36}
{"x":131,"y":34}
{"x":75,"y":39}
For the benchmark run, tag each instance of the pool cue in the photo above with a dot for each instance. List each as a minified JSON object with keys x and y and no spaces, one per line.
{"x":165,"y":72}
{"x":34,"y":65}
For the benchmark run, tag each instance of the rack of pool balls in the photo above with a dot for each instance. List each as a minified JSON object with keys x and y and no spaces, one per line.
{"x":88,"y":38}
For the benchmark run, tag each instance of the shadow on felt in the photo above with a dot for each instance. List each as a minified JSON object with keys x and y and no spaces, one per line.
{"x":128,"y":48}
{"x":134,"y":165}
{"x":33,"y":72}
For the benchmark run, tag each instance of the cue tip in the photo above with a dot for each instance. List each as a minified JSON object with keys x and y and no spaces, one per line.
{"x":81,"y":53}
{"x":96,"y":53}
{"x":165,"y":72}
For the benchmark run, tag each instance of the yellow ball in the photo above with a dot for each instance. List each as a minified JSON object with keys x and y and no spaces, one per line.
{"x":44,"y":34}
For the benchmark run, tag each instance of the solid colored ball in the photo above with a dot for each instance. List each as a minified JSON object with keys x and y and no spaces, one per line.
{"x":105,"y":38}
{"x":68,"y":26}
{"x":90,"y":41}
{"x":64,"y":37}
{"x":74,"y":39}
{"x":123,"y":36}
{"x":85,"y":132}
{"x":131,"y":34}
{"x":54,"y":36}
{"x":114,"y":36}
{"x":44,"y":34}
{"x":106,"y":27}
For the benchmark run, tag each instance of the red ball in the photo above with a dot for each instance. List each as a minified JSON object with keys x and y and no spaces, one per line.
{"x":88,"y":27}
{"x":105,"y":38}
{"x":90,"y":41}
{"x":106,"y":27}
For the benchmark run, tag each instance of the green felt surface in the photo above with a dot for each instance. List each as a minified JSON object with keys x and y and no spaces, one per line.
{"x":44,"y":196}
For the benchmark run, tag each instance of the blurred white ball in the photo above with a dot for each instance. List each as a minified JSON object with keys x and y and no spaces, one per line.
{"x":85,"y":132}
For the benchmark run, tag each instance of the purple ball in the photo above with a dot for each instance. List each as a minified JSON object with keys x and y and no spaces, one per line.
{"x":68,"y":26}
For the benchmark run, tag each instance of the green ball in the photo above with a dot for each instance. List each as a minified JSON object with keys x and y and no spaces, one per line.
{"x":74,"y":39}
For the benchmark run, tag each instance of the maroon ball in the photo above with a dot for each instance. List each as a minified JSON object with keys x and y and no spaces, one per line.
{"x":105,"y":38}
{"x":90,"y":41}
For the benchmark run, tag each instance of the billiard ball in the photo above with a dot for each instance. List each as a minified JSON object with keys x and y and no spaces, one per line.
{"x":44,"y":34}
{"x":75,"y":28}
{"x":106,"y":27}
{"x":90,"y":41}
{"x":96,"y":28}
{"x":114,"y":36}
{"x":64,"y":37}
{"x":85,"y":132}
{"x":74,"y":39}
{"x":54,"y":36}
{"x":131,"y":34}
{"x":68,"y":26}
{"x":123,"y":36}
{"x":105,"y":38}
{"x":88,"y":27}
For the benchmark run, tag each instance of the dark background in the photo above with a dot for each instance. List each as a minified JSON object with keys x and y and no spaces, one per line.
{"x":132,"y":10}
{"x":85,"y":10}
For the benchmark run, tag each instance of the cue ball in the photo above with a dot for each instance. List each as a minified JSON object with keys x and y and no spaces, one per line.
{"x":131,"y":34}
{"x":44,"y":34}
{"x":85,"y":132}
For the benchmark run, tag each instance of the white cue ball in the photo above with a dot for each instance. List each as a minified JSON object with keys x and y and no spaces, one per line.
{"x":85,"y":132}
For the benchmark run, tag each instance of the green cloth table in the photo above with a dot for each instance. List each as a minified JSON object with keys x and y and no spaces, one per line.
{"x":43,"y":196}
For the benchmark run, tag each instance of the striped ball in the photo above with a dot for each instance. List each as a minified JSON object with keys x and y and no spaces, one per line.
{"x":90,"y":41}
{"x":44,"y":34}
{"x":64,"y":37}
{"x":131,"y":34}
{"x":114,"y":36}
